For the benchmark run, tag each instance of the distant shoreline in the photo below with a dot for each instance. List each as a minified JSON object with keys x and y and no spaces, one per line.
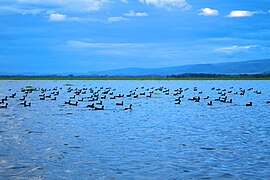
{"x":124,"y":78}
{"x":186,"y":76}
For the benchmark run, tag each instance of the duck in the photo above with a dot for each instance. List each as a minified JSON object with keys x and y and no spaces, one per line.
{"x":178,"y":102}
{"x":53,"y":99}
{"x":22,"y":103}
{"x":91,"y":105}
{"x":249,"y":104}
{"x":42,"y":98}
{"x":206,"y":97}
{"x":113,"y":97}
{"x":258,"y":92}
{"x":99,"y":108}
{"x":49,"y":96}
{"x":12,"y":96}
{"x":230,"y":101}
{"x":5,"y":106}
{"x":73,"y":97}
{"x":120,"y":104}
{"x":127,"y":108}
{"x":73,"y":104}
{"x":22,"y":99}
{"x":81,"y":100}
{"x":67,"y":102}
{"x":268,"y":102}
{"x":27,"y":105}
{"x":210,"y":103}
{"x":99,"y":103}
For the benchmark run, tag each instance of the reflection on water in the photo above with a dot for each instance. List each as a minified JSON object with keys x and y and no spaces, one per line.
{"x":157,"y":139}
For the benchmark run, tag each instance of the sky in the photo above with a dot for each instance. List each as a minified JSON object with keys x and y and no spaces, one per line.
{"x":63,"y":36}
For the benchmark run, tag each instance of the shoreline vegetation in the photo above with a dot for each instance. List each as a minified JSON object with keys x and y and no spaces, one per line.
{"x":186,"y":76}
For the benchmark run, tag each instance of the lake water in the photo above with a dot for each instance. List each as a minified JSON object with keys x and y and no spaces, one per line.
{"x":157,"y":139}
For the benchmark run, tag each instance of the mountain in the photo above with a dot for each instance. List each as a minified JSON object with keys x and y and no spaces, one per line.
{"x":242,"y":67}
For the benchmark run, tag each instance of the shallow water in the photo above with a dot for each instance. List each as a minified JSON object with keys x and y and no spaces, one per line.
{"x":157,"y":139}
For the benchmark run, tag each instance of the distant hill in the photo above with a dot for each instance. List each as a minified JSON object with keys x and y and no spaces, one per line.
{"x":243,"y":67}
{"x":229,"y":68}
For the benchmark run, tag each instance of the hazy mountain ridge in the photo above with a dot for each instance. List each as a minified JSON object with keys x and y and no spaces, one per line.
{"x":243,"y":67}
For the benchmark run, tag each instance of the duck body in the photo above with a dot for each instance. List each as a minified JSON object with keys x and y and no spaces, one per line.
{"x":127,"y":108}
{"x":120,"y":104}
{"x":27,"y":105}
{"x":73,"y":104}
{"x":5,"y":106}
{"x":90,"y":106}
{"x":99,"y":108}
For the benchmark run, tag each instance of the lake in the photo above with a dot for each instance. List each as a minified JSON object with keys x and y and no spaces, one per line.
{"x":157,"y":139}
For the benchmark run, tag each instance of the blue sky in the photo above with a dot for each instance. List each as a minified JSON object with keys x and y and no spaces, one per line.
{"x":61,"y":36}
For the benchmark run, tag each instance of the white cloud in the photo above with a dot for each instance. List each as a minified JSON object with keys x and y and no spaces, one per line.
{"x":136,"y":14}
{"x":57,"y":5}
{"x":208,"y":12}
{"x":9,"y":9}
{"x":168,"y":4}
{"x":82,"y":44}
{"x":116,"y":19}
{"x":242,"y":13}
{"x":235,"y":48}
{"x":57,"y":17}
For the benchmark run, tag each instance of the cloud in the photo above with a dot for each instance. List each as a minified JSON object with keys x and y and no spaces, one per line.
{"x":208,"y":12}
{"x":57,"y":17}
{"x":242,"y":13}
{"x":167,"y":4}
{"x":78,"y":6}
{"x":136,"y":14}
{"x":116,"y":19}
{"x":124,"y":1}
{"x":82,"y":44}
{"x":235,"y":48}
{"x":8,"y":9}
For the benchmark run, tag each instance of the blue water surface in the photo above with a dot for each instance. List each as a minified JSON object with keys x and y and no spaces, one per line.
{"x":157,"y":139}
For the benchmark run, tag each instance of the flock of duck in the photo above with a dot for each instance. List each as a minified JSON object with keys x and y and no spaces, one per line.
{"x":97,"y":95}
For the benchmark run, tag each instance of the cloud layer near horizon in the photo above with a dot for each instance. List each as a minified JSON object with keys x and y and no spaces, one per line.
{"x":83,"y":34}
